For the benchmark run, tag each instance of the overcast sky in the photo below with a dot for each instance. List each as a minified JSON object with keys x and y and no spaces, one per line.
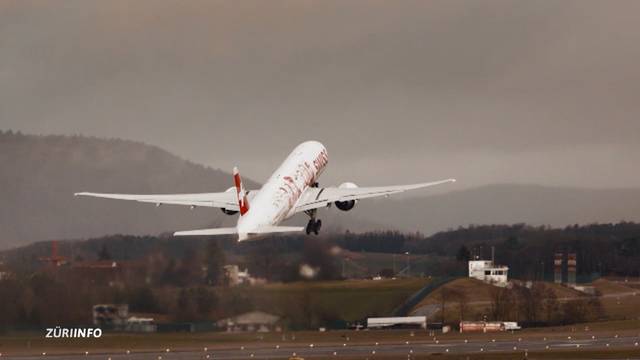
{"x":544,"y":92}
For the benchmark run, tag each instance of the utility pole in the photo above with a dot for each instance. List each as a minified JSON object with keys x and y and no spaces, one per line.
{"x":408,"y":264}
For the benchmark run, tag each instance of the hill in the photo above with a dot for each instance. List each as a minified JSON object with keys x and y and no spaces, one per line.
{"x":617,"y":301}
{"x":505,"y":204}
{"x":41,"y":173}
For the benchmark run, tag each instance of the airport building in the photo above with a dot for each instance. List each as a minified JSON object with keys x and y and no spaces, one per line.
{"x":110,"y":315}
{"x":138,"y":324}
{"x":488,"y":272}
{"x":255,"y":321}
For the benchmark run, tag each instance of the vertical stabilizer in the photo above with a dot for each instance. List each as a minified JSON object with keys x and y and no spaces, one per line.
{"x":243,"y":203}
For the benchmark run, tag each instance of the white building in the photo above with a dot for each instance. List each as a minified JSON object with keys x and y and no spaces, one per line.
{"x":391,"y":322}
{"x":236,"y":277}
{"x":488,"y":272}
{"x":137,"y":324}
{"x":255,"y":321}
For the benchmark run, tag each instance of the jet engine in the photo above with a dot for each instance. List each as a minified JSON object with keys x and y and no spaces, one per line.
{"x":349,"y":204}
{"x":229,"y":212}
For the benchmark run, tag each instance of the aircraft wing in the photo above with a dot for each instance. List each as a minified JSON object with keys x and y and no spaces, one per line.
{"x":314,"y":198}
{"x":227,"y":200}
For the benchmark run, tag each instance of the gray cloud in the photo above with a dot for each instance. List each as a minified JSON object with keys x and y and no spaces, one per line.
{"x":491,"y":91}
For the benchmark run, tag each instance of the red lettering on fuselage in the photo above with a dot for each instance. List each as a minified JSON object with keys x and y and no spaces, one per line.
{"x":292,"y":186}
{"x":321,"y":160}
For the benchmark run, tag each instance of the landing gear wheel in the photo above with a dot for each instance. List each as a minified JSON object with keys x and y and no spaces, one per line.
{"x":310,"y":226}
{"x":313,"y":226}
{"x":317,"y":226}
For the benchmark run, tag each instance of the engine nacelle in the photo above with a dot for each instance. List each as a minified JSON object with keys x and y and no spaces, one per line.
{"x":346,"y":205}
{"x":229,"y":212}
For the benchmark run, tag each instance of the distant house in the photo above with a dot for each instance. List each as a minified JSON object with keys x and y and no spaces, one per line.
{"x":236,"y":277}
{"x":137,"y":324}
{"x":255,"y":321}
{"x":488,"y":272}
{"x":110,"y":315}
{"x":5,"y":273}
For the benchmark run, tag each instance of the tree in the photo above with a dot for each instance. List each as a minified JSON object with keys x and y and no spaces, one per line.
{"x":528,"y":301}
{"x":443,"y":296}
{"x":463,"y":254}
{"x":142,"y":299}
{"x":551,"y":305}
{"x":214,"y":261}
{"x":463,"y":302}
{"x":596,"y":309}
{"x":263,"y":260}
{"x":387,"y":273}
{"x":206,"y":300}
{"x":502,"y":303}
{"x":534,"y":302}
{"x":104,"y":253}
{"x":9,"y":303}
{"x":317,"y":254}
{"x":575,"y":311}
{"x":512,"y":243}
{"x":185,"y":309}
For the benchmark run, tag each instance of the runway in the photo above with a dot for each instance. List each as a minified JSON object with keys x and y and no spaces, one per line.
{"x":345,"y":350}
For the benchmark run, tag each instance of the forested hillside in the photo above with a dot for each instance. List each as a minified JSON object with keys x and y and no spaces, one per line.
{"x":40,"y":174}
{"x":605,"y":249}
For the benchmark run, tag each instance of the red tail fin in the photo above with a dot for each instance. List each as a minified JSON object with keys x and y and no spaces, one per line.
{"x":243,"y":203}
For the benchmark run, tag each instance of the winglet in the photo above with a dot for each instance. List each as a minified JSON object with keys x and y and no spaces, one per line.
{"x":243,"y":203}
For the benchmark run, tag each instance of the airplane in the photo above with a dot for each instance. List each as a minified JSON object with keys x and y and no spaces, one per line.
{"x":291,"y":189}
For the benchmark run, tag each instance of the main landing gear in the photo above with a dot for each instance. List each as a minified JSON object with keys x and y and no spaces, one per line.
{"x":314,"y":225}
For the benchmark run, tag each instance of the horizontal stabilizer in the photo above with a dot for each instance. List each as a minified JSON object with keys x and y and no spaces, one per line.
{"x":215,"y":231}
{"x":276,"y":229}
{"x":229,"y":231}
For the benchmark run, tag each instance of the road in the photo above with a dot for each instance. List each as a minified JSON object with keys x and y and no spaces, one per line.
{"x":366,"y":350}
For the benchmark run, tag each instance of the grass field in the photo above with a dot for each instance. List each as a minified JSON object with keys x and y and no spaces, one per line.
{"x":349,"y":300}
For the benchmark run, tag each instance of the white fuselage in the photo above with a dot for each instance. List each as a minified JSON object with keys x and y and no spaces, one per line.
{"x":277,"y":199}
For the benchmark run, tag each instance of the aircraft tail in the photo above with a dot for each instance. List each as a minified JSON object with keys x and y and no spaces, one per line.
{"x":243,"y":202}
